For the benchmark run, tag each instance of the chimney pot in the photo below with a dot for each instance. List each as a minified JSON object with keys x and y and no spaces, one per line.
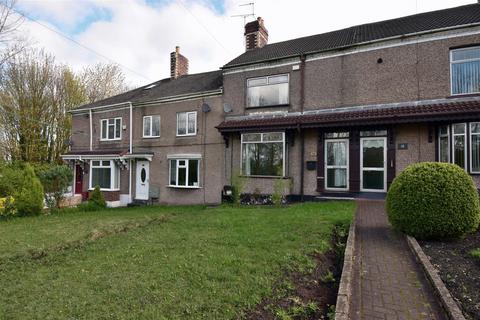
{"x":178,"y":64}
{"x":256,"y":35}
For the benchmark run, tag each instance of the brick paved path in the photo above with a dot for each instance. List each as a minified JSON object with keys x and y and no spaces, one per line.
{"x":387,"y":283}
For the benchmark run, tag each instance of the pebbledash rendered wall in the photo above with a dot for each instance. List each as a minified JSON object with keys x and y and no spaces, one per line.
{"x":401,"y":73}
{"x":208,"y":143}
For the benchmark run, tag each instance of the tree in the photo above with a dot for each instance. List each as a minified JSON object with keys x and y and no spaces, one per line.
{"x":55,"y":180}
{"x":102,"y":80}
{"x":11,"y":41}
{"x":35,"y":97}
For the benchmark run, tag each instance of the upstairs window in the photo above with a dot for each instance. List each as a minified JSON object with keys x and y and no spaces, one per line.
{"x":187,"y":123}
{"x":267,"y":91}
{"x":111,"y":129}
{"x":151,"y":126}
{"x":263,"y":154}
{"x":465,"y":70}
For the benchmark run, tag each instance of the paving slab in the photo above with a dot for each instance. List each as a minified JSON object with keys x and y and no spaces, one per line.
{"x":387,"y":281}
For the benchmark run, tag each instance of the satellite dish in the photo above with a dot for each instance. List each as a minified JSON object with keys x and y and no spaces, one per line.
{"x":205,"y":108}
{"x":227,"y":108}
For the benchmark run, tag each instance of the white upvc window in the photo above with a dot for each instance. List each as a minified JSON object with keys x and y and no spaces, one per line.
{"x":187,"y":123}
{"x":263,"y":154}
{"x":151,"y":126}
{"x":444,"y":144}
{"x":459,"y":134}
{"x":105,"y":174}
{"x":465,"y":70}
{"x":184,"y":173}
{"x":111,"y":129}
{"x":268,"y":91}
{"x":475,"y":147}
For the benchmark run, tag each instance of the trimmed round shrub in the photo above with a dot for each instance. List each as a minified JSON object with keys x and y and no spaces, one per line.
{"x":433,"y":200}
{"x":96,"y":198}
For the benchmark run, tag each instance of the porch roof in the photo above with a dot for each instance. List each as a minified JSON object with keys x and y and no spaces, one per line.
{"x":425,"y":111}
{"x":106,"y":154}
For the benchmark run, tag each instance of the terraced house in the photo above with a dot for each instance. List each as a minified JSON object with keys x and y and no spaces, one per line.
{"x":330,"y":115}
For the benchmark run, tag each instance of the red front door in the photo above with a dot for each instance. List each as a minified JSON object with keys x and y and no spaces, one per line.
{"x":78,"y":179}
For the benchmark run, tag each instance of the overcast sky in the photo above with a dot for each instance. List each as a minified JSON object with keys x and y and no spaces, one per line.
{"x":140,"y":34}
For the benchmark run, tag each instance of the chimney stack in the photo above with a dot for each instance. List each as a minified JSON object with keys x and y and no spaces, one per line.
{"x":178,"y":64}
{"x":256,"y":35}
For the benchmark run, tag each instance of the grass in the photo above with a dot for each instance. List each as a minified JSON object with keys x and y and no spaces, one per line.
{"x":475,"y":254}
{"x":156,"y":262}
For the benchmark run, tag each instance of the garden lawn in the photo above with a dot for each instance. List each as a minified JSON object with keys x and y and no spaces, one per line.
{"x":157,"y":262}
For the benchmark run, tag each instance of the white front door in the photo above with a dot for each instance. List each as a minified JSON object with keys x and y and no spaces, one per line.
{"x":143,"y":177}
{"x":373,"y":160}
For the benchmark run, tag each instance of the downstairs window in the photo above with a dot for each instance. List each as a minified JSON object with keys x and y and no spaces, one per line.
{"x":105,"y":174}
{"x":263,"y":154}
{"x":184,"y":173}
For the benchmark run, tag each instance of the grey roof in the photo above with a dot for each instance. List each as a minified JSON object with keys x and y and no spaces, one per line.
{"x":355,"y":35}
{"x":188,"y":84}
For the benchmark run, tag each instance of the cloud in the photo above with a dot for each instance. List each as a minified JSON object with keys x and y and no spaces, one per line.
{"x":141,"y":34}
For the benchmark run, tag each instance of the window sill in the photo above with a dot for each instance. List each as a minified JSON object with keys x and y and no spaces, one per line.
{"x":185,"y":135}
{"x":152,"y":137}
{"x":106,"y":190}
{"x":183,"y":187}
{"x":464,"y":95}
{"x":264,"y":177}
{"x":110,"y":140}
{"x":269,"y":106}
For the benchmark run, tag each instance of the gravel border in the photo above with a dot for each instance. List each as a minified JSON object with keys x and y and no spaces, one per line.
{"x":342,"y":307}
{"x":452,"y":310}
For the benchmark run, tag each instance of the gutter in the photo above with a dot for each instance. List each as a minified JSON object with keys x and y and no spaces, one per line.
{"x":157,"y":101}
{"x":402,"y":36}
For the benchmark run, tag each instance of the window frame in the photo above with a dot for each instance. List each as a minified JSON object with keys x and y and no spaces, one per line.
{"x":470,"y":139}
{"x":186,"y":124}
{"x":449,"y":149}
{"x":284,"y":152}
{"x":114,"y":129}
{"x":345,"y":140}
{"x":151,"y":126}
{"x":267,"y":77}
{"x":187,"y":168}
{"x":460,"y":61}
{"x":465,"y":139}
{"x":114,"y":175}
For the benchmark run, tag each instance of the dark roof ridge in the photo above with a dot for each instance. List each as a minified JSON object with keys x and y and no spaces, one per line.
{"x":424,"y":22}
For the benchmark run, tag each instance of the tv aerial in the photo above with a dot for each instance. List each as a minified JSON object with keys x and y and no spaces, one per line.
{"x":251,"y":6}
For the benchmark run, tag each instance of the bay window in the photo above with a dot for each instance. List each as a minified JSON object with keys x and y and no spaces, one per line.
{"x":465,"y":70}
{"x":105,"y":174}
{"x":187,"y":123}
{"x":475,"y":147}
{"x":459,"y":141}
{"x":267,"y":91}
{"x":263,"y":154}
{"x":444,"y":144}
{"x":184,"y":173}
{"x":111,"y":129}
{"x":151,"y":126}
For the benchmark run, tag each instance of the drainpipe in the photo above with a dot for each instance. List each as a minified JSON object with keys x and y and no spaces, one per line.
{"x":130,"y":180}
{"x":302,"y":133}
{"x":130,"y":130}
{"x":131,"y":127}
{"x":91,"y":129}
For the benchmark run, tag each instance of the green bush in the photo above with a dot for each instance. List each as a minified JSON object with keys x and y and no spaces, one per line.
{"x":475,"y":254}
{"x":55,"y":180}
{"x":96,"y":198}
{"x":433,"y":200}
{"x":19,"y":181}
{"x":29,"y":197}
{"x":7,"y":207}
{"x":88,"y":206}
